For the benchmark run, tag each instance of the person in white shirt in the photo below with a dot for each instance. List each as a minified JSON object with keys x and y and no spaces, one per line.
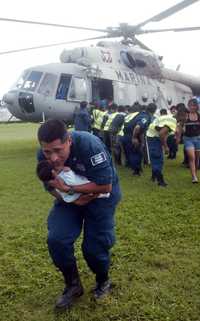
{"x":46,"y":172}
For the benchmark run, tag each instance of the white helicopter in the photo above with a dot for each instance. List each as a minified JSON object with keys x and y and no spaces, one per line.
{"x":124,"y":72}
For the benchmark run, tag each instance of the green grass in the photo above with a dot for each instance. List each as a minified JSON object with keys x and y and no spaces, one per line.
{"x":155,"y":262}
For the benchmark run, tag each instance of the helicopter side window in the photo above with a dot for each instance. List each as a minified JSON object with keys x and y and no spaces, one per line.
{"x":127,"y":59}
{"x":78,"y":89}
{"x":32,"y":80}
{"x":63,"y":87}
{"x":47,"y":85}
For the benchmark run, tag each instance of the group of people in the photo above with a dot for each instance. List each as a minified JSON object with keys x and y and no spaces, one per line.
{"x":76,"y":168}
{"x":134,"y":134}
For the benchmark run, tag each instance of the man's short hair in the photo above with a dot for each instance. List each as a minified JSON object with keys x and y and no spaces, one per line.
{"x":83,"y":104}
{"x":163,"y":111}
{"x":151,"y":108}
{"x":51,"y":130}
{"x":44,"y":171}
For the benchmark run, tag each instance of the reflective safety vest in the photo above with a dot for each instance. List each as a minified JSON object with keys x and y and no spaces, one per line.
{"x":95,"y":114}
{"x":127,"y":119}
{"x":160,"y":122}
{"x":100,"y":119}
{"x":109,"y":121}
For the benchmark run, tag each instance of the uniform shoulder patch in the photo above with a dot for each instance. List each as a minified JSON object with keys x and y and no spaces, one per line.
{"x":98,"y":159}
{"x":144,"y":120}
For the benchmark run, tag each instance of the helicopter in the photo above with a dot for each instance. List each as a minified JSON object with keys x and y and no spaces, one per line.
{"x":124,"y":72}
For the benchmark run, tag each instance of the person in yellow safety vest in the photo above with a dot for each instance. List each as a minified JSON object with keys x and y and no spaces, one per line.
{"x":106,"y":126}
{"x":99,"y":120}
{"x":114,"y":130}
{"x":157,"y":134}
{"x":132,"y":112}
{"x":133,"y":139}
{"x":95,"y":111}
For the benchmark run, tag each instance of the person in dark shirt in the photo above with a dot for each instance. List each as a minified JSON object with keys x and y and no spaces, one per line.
{"x":115,"y":128}
{"x":133,"y":139}
{"x":82,"y":118}
{"x":87,"y":156}
{"x":171,"y":140}
{"x":192,"y":137}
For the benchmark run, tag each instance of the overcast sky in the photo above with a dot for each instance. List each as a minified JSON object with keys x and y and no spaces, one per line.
{"x":177,"y":48}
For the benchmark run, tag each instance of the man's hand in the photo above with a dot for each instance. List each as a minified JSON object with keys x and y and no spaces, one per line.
{"x":85,"y":199}
{"x":59,"y":184}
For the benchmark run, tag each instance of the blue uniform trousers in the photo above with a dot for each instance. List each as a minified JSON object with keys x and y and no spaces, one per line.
{"x":155,"y":153}
{"x":65,"y":223}
{"x":134,"y":155}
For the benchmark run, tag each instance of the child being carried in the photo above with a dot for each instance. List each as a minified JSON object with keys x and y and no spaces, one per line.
{"x":46,"y":172}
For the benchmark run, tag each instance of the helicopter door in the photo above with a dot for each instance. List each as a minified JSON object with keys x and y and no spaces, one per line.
{"x":125,"y":94}
{"x":102,"y":89}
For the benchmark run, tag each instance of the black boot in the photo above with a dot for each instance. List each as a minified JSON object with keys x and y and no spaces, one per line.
{"x":103,"y":286}
{"x":137,"y":172}
{"x":160,"y":179}
{"x":102,"y":289}
{"x":73,"y":288}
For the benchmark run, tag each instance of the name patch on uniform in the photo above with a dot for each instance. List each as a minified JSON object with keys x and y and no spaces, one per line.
{"x":98,"y":158}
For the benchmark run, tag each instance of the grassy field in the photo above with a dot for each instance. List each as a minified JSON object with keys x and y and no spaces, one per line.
{"x":155,"y":262}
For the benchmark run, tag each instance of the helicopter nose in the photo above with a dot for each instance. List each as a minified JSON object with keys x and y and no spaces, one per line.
{"x":9,"y":98}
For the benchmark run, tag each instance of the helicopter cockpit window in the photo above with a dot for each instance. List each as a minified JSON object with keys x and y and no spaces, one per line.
{"x":63,"y":87}
{"x":19,"y":83}
{"x":78,"y":89}
{"x":32,"y":80}
{"x":47,"y":85}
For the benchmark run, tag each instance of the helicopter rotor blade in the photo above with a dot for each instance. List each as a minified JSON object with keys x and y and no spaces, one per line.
{"x":50,"y":45}
{"x":140,"y":44}
{"x":51,"y":24}
{"x":168,"y":12}
{"x":169,"y":29}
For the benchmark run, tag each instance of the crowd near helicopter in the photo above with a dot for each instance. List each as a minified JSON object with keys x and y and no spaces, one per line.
{"x":124,"y":72}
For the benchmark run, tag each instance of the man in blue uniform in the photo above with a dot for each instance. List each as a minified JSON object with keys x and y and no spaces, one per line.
{"x":86,"y":155}
{"x":82,"y":118}
{"x":133,"y":140}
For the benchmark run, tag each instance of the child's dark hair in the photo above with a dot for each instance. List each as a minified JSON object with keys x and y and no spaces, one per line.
{"x":44,"y":171}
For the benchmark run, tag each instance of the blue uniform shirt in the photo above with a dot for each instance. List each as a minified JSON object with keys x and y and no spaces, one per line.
{"x":82,"y":120}
{"x":90,"y":158}
{"x":142,"y":119}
